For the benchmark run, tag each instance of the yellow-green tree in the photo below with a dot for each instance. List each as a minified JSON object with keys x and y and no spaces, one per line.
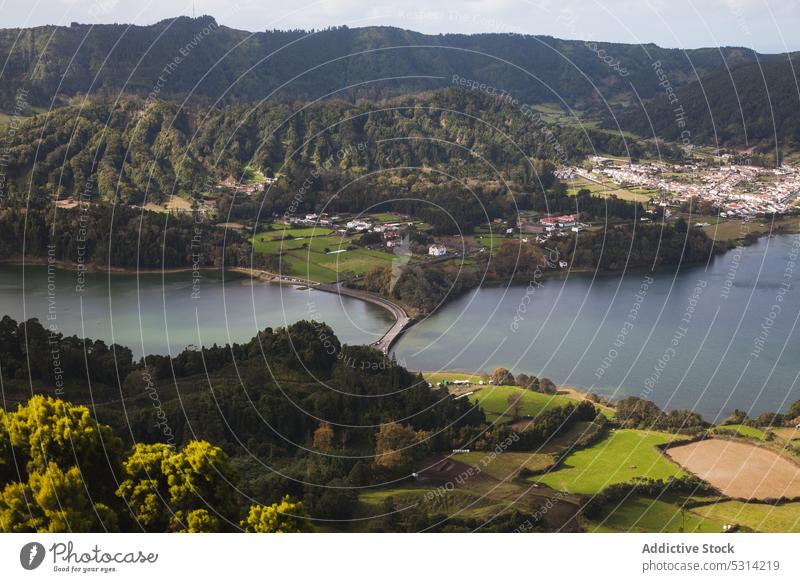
{"x":7,"y":465}
{"x":47,"y":447}
{"x":287,"y":516}
{"x":48,"y":430}
{"x":53,"y":501}
{"x":179,"y":490}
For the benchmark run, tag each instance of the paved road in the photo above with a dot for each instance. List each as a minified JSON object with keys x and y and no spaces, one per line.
{"x":402,"y":320}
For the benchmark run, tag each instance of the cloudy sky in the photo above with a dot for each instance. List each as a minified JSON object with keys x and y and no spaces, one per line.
{"x":766,"y":25}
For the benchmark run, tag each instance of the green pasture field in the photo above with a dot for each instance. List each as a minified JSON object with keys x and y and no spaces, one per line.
{"x":461,"y":502}
{"x":622,"y":457}
{"x":742,"y":430}
{"x":494,"y":401}
{"x":497,"y":402}
{"x":734,"y":229}
{"x":278,"y":232}
{"x":304,"y":254}
{"x":761,"y":517}
{"x":640,"y":514}
{"x":565,"y":440}
{"x":630,"y":194}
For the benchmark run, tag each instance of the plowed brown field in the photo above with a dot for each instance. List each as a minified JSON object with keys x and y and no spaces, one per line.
{"x":739,"y":469}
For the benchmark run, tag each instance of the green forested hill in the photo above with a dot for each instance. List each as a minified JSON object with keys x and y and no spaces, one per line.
{"x":137,"y":150}
{"x":755,"y":104}
{"x":55,"y":63}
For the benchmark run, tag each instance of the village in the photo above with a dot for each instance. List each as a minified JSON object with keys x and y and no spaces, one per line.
{"x":734,"y":190}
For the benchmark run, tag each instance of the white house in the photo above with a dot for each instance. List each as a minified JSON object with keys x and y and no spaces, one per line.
{"x":437,"y":250}
{"x":358,"y":225}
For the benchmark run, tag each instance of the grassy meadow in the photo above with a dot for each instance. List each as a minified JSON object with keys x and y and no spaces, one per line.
{"x":641,"y":514}
{"x":625,"y":455}
{"x":763,"y":517}
{"x":494,"y":401}
{"x":318,"y":253}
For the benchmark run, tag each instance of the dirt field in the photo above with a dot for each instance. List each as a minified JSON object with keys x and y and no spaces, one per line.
{"x":739,"y":469}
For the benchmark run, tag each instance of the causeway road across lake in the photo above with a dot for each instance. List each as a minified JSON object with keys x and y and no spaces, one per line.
{"x":402,"y":320}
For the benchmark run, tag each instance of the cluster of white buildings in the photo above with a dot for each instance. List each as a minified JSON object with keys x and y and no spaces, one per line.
{"x":391,"y":232}
{"x":559,"y":225}
{"x":737,"y":190}
{"x":358,"y":225}
{"x":312,"y":218}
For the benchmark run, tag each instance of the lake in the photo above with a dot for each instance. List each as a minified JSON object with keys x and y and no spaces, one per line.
{"x":162,"y":315}
{"x":710,"y":338}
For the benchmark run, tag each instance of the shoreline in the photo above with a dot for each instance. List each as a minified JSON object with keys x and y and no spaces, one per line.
{"x":94,"y":267}
{"x":404,"y":319}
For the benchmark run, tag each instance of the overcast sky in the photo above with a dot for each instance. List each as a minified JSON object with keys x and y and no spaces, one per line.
{"x":766,"y":25}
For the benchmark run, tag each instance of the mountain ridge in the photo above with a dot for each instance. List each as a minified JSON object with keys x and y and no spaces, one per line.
{"x":112,"y":58}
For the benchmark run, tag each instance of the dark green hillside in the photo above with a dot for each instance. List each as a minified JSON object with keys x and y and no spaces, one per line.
{"x":753,"y":105}
{"x":138,"y":151}
{"x":119,"y":237}
{"x":307,"y":375}
{"x":218,"y":62}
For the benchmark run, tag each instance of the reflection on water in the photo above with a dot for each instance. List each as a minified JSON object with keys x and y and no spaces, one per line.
{"x":159,"y":315}
{"x":712,"y":339}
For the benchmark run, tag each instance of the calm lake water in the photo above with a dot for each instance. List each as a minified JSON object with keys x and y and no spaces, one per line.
{"x":708,"y":338}
{"x":156,"y":315}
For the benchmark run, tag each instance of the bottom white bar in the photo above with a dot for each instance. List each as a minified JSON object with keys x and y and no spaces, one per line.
{"x":370,"y":557}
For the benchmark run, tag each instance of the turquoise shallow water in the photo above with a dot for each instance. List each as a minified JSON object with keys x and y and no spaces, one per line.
{"x":160,"y":315}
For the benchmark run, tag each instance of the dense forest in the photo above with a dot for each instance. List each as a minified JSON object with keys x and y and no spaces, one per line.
{"x":119,"y":237}
{"x":201,"y":58}
{"x":260,"y":407}
{"x":635,"y":246}
{"x":730,"y":96}
{"x":136,"y":151}
{"x":205,"y":420}
{"x":753,"y":104}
